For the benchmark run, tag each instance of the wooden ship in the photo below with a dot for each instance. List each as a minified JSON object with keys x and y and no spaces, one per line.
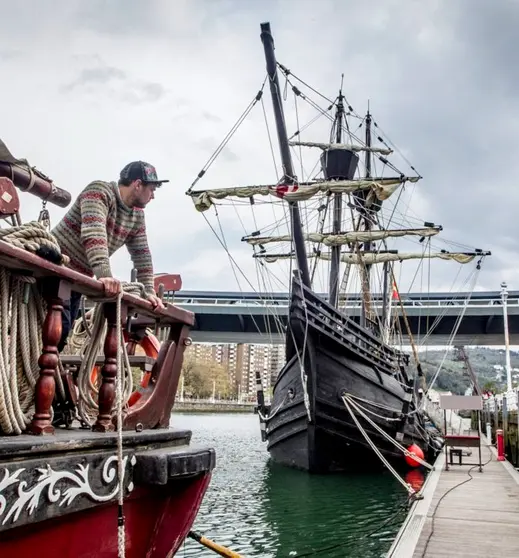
{"x":347,"y":397}
{"x":87,"y":468}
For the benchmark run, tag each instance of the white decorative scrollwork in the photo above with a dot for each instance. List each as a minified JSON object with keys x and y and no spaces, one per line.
{"x":29,"y":497}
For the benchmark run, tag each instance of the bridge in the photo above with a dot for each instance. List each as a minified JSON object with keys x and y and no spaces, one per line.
{"x":249,"y":317}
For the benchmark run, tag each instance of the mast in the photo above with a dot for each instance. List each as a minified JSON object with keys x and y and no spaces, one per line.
{"x":286,"y":159}
{"x":367,"y":226}
{"x":464,"y":357}
{"x":337,"y":216}
{"x":386,"y":301}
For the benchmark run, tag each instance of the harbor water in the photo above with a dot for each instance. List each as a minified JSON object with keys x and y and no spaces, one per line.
{"x":257,"y":508}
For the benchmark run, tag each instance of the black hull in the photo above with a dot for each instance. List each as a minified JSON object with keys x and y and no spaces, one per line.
{"x":320,"y":435}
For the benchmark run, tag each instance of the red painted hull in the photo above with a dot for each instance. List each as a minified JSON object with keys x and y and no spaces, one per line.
{"x":157,"y":519}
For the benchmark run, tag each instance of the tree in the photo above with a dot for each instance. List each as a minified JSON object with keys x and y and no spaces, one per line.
{"x":490,"y":386}
{"x":195,"y":383}
{"x":202,"y":378}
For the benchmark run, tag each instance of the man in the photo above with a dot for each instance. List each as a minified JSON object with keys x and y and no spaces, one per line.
{"x":104,"y":217}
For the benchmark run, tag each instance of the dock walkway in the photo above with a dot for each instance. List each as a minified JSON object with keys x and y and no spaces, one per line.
{"x":464,"y":514}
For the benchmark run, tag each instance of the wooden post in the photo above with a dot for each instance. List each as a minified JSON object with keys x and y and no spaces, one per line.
{"x":500,"y":443}
{"x":54,"y":291}
{"x":155,"y":404}
{"x":109,"y":371}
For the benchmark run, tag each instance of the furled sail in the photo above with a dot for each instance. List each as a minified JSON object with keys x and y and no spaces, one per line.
{"x":345,"y":146}
{"x":381,"y":187}
{"x":329,"y":239}
{"x":370,"y":258}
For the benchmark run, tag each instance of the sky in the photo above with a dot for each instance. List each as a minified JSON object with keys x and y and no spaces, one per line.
{"x":89,"y":86}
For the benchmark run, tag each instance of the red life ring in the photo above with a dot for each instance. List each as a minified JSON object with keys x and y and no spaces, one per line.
{"x":150,"y":345}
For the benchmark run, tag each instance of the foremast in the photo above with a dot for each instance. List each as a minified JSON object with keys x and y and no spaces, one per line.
{"x":289,"y":177}
{"x":337,"y":215}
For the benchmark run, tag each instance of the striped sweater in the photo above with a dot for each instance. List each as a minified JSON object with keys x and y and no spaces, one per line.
{"x":97,"y":225}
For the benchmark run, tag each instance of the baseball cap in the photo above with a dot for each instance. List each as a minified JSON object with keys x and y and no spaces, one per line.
{"x":139,"y":170}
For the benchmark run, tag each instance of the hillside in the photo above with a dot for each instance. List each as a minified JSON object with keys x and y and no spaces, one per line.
{"x":453,"y":376}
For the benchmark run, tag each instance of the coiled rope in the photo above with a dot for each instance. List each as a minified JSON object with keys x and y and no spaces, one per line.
{"x":34,"y":237}
{"x":20,"y":349}
{"x":22,"y":312}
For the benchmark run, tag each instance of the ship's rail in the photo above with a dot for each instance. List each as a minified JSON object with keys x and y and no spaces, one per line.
{"x":324,"y":318}
{"x":56,"y":283}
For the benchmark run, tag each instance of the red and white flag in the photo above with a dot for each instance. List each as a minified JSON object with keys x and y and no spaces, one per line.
{"x":281,"y":190}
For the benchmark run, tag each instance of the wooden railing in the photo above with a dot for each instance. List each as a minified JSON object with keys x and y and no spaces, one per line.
{"x":154,"y":407}
{"x":345,"y":330}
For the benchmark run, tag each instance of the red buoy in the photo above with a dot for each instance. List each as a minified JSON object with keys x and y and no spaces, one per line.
{"x":415,"y":479}
{"x":417,"y":451}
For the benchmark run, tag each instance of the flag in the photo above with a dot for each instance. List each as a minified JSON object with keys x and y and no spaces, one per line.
{"x":282,"y":189}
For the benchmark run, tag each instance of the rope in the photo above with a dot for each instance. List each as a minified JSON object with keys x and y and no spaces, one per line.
{"x":121,"y":346}
{"x":407,"y":486}
{"x":88,"y":407}
{"x":34,"y":237}
{"x":272,"y":414}
{"x":453,"y":335}
{"x":229,"y":135}
{"x":21,"y":320}
{"x":347,"y":398}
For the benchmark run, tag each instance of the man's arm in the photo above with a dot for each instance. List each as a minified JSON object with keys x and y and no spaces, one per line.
{"x":140,"y":254}
{"x":94,"y":212}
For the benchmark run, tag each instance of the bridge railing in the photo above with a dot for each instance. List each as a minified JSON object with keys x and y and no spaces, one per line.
{"x":283,"y":302}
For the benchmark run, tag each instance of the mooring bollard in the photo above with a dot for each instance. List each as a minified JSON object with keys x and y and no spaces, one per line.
{"x":500,"y":440}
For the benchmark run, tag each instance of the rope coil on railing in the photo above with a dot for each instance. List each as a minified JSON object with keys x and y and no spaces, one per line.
{"x":34,"y":237}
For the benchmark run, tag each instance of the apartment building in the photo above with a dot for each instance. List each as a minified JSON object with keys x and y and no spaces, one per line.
{"x":242,"y":362}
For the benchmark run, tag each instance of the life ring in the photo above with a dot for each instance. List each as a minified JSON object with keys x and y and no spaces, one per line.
{"x":150,"y":346}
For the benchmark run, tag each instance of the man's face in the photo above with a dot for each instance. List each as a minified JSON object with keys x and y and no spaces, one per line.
{"x":144,"y":193}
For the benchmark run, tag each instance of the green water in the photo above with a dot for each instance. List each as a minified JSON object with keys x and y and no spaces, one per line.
{"x":259,"y":509}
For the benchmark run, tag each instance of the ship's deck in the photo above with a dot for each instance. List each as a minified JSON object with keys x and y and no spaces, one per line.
{"x":78,"y":439}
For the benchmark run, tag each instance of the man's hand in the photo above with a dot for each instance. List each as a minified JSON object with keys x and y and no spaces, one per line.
{"x":112,"y":286}
{"x":155,"y":301}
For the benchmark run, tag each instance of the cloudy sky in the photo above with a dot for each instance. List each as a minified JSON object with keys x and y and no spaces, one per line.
{"x":88,"y":86}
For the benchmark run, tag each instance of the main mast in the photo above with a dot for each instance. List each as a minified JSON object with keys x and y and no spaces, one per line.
{"x":337,"y":216}
{"x":284,"y":147}
{"x":367,"y":227}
